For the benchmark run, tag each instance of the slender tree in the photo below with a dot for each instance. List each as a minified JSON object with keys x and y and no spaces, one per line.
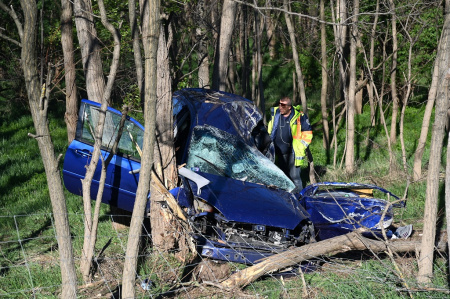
{"x":71,"y":115}
{"x":91,"y":221}
{"x":90,"y":49}
{"x":395,"y":100}
{"x":38,"y":100}
{"x":324,"y":90}
{"x":136,"y":47}
{"x":350,"y":144}
{"x":220,"y":73}
{"x":298,"y":69}
{"x":202,"y":39}
{"x":150,"y":35}
{"x":370,"y":85}
{"x":418,"y":155}
{"x":430,"y":214}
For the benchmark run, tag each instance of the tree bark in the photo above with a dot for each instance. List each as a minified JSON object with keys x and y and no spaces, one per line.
{"x":90,"y":227}
{"x":136,"y":48}
{"x":220,"y":76}
{"x":38,"y":101}
{"x":257,"y":62}
{"x":370,"y":86}
{"x":447,"y":193}
{"x":430,"y":214}
{"x":350,"y":145}
{"x":405,"y":104}
{"x":298,"y":70}
{"x":271,"y":36}
{"x":150,"y":31}
{"x":202,"y":53}
{"x":167,"y":232}
{"x":395,"y":101}
{"x":339,"y":15}
{"x":323,"y":92}
{"x":71,"y":115}
{"x":340,"y":244}
{"x":90,"y":50}
{"x":418,"y":155}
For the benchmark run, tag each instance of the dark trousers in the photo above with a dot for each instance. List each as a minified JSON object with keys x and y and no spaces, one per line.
{"x":286,"y":163}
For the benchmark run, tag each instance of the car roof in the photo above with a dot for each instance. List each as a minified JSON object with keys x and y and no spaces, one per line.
{"x":228,"y":112}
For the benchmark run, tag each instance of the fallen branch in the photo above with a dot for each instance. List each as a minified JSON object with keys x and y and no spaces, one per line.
{"x":350,"y":241}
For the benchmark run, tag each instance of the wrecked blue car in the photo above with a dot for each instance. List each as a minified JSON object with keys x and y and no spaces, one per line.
{"x":240,"y":205}
{"x":338,"y":208}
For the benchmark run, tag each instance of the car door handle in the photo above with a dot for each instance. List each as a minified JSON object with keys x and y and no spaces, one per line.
{"x":84,"y":153}
{"x":134,"y":171}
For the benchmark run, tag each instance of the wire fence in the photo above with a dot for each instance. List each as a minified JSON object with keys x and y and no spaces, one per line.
{"x":29,"y":267}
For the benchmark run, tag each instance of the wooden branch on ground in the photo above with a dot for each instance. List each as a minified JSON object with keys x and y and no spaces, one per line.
{"x":344,"y":243}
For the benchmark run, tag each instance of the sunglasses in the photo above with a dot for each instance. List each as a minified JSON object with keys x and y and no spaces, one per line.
{"x":283,"y":105}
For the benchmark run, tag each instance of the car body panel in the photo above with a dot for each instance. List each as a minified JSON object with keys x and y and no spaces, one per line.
{"x":261,"y":204}
{"x":337,"y":208}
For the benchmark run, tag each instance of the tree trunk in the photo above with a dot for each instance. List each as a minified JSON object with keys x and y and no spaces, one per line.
{"x":38,"y":101}
{"x":271,"y":36}
{"x":136,"y":48}
{"x":71,"y":115}
{"x":219,"y":81}
{"x":430,"y":214}
{"x":394,"y":95}
{"x":370,"y":86}
{"x":90,"y":50}
{"x":150,"y":36}
{"x":167,"y":231}
{"x":350,"y":145}
{"x":340,"y":244}
{"x":339,"y":15}
{"x":298,"y":70}
{"x":231,"y":82}
{"x":447,"y":193}
{"x":418,"y":155}
{"x":246,"y":93}
{"x":359,"y":94}
{"x":202,"y":53}
{"x":259,"y":89}
{"x":380,"y":104}
{"x":90,"y":224}
{"x":405,"y":104}
{"x":323,"y":92}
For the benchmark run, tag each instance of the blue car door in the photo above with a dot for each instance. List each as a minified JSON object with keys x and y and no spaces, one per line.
{"x":122,"y":176}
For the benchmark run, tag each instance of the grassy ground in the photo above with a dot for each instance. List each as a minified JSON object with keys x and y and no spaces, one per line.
{"x":28,"y":249}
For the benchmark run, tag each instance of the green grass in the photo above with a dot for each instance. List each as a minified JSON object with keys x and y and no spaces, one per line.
{"x":28,"y":248}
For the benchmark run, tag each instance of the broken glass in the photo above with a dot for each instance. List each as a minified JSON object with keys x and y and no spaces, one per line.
{"x":217,"y":152}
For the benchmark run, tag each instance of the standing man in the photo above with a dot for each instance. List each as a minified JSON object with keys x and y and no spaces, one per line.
{"x":291,"y":132}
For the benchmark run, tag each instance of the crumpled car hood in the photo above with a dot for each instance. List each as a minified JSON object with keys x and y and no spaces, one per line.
{"x":252,"y":203}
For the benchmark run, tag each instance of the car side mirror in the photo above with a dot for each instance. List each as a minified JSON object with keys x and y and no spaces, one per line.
{"x":195,"y":177}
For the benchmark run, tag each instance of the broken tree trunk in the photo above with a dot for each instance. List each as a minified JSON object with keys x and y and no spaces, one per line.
{"x":344,"y":243}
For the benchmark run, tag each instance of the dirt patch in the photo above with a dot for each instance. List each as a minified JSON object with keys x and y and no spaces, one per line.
{"x":106,"y":279}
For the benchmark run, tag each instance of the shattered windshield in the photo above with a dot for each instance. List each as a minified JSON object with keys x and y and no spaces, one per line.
{"x":217,"y":152}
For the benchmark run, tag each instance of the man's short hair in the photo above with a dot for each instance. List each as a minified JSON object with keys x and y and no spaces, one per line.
{"x":286,"y":99}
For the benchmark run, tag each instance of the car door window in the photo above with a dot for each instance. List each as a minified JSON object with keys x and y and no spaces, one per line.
{"x":131,"y":141}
